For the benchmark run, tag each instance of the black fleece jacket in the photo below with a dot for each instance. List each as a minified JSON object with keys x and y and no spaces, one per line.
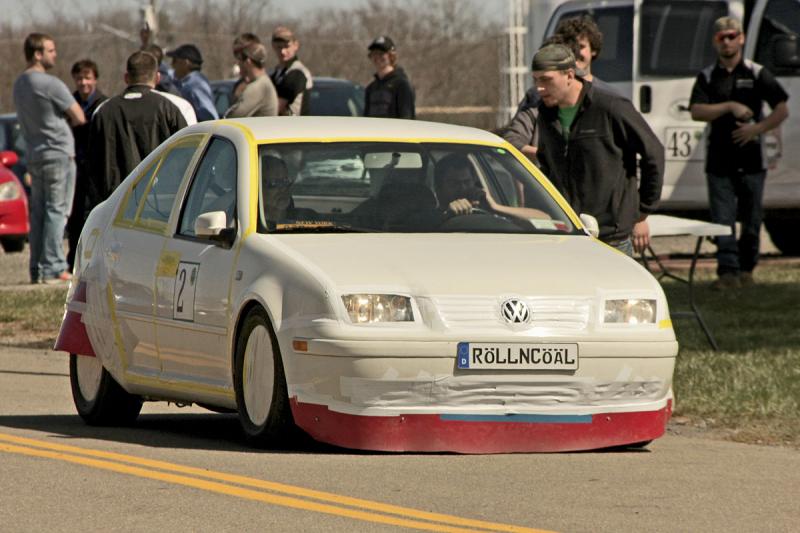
{"x":596,"y":169}
{"x":390,"y":97}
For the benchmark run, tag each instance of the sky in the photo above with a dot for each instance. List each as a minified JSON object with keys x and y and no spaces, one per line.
{"x":17,"y":12}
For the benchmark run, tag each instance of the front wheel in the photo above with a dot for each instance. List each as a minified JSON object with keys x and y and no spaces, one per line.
{"x":261,"y":394}
{"x":13,"y":245}
{"x":99,"y":399}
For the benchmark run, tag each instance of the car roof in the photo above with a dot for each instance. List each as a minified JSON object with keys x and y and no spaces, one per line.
{"x":335,"y":128}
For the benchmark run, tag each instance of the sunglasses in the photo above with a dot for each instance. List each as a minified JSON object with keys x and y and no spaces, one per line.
{"x":726,"y":36}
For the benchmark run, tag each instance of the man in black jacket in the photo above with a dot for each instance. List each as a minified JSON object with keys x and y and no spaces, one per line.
{"x":590,"y":144}
{"x":127,"y":127}
{"x":85,"y":74}
{"x":390,"y":95}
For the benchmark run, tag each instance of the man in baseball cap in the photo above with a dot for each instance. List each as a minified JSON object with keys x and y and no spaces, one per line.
{"x":589,"y":145}
{"x":390,"y":94}
{"x":291,"y":77}
{"x":192,"y":84}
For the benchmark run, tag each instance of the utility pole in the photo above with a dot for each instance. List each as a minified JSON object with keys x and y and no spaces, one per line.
{"x":148,"y":13}
{"x":513,"y":70}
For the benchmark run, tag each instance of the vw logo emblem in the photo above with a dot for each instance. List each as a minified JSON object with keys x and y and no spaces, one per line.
{"x":515,"y":311}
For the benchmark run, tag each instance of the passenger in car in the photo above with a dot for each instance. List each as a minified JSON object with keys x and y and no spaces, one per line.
{"x":276,"y":197}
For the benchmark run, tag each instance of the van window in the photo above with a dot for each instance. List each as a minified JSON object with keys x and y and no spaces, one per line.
{"x":781,"y":17}
{"x":675,"y":37}
{"x":615,"y":62}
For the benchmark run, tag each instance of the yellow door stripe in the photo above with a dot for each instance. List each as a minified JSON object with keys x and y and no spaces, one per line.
{"x":334,"y":505}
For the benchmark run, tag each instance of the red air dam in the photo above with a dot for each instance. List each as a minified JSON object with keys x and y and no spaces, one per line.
{"x":476,"y":434}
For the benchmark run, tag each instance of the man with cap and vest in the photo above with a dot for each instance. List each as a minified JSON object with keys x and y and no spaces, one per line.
{"x":390,"y":94}
{"x":730,"y":95}
{"x":590,"y":144}
{"x":192,"y":84}
{"x":291,"y":78}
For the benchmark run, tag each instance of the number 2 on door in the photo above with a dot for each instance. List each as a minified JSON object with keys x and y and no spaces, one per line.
{"x":183,"y":296}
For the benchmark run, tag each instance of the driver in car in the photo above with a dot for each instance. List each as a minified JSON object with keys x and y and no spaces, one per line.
{"x":461,"y":192}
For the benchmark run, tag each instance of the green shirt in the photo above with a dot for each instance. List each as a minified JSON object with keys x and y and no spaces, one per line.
{"x":566,"y":115}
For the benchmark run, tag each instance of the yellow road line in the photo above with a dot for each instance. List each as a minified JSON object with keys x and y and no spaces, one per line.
{"x":66,"y":453}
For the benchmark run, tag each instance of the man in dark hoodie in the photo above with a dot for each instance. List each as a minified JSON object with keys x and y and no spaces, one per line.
{"x":390,"y":95}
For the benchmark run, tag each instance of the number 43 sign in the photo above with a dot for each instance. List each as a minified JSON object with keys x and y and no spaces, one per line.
{"x":185,"y":286}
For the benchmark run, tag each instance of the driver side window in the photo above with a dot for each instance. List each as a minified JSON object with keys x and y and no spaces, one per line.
{"x":213,"y":187}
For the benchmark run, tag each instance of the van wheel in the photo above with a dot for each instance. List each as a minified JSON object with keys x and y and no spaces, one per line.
{"x":99,"y":399}
{"x":261,"y":395}
{"x":782,"y":230}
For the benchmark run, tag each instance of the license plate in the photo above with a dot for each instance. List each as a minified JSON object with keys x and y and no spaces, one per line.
{"x":507,"y":356}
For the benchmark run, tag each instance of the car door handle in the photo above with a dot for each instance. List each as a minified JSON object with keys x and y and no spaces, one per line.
{"x":645,"y":99}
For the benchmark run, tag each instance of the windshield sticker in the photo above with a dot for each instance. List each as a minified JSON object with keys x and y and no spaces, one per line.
{"x":548,"y":224}
{"x":501,"y":151}
{"x":305,"y":224}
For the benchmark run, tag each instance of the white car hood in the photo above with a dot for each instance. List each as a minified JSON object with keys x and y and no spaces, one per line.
{"x":478,"y":264}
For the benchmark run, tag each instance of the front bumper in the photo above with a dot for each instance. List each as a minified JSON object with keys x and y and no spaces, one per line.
{"x":412,"y":397}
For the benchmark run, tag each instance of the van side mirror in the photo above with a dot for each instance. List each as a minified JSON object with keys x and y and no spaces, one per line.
{"x":784,"y":51}
{"x":590,"y":225}
{"x":214,"y":225}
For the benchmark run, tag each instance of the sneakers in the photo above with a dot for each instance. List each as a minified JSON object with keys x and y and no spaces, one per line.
{"x":64,"y":277}
{"x":726,"y":282}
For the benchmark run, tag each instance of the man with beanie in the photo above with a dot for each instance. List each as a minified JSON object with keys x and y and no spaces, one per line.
{"x":258,"y":99}
{"x":730,"y":95}
{"x":589,"y":145}
{"x":390,"y":94}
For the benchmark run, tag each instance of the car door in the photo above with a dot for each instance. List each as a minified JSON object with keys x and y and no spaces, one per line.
{"x":136,"y":237}
{"x":193,"y":288}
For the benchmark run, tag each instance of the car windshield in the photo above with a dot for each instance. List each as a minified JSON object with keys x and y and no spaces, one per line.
{"x":402,"y":187}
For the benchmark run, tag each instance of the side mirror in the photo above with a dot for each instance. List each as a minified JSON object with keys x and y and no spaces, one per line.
{"x":590,"y":225}
{"x":8,"y":158}
{"x":214,"y":225}
{"x":784,"y":51}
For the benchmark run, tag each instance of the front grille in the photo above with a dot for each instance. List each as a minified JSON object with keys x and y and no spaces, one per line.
{"x":463,"y":312}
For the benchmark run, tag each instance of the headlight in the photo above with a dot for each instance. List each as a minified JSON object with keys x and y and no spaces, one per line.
{"x":630,"y":312}
{"x":9,"y":191}
{"x":370,"y":308}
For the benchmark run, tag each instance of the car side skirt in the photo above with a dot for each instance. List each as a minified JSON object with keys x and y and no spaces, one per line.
{"x":480,"y":433}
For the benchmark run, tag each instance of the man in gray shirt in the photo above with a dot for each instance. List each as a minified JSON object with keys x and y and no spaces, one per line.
{"x":46,"y":109}
{"x":258,"y":99}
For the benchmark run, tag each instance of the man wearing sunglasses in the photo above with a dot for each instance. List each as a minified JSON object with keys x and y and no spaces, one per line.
{"x":730,"y":95}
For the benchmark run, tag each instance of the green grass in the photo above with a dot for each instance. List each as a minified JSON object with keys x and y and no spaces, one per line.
{"x":752,"y":384}
{"x":31,"y":314}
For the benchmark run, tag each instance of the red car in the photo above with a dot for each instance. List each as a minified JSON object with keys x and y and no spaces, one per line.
{"x":14,"y":225}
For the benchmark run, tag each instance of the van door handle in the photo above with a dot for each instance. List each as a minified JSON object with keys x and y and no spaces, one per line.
{"x":645,"y":99}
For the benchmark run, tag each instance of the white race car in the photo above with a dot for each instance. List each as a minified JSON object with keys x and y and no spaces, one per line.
{"x":380,"y":284}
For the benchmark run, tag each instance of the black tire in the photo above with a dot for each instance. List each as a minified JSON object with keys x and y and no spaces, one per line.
{"x":13,"y":245}
{"x":264,"y":413}
{"x":111,"y":405}
{"x":781,"y":228}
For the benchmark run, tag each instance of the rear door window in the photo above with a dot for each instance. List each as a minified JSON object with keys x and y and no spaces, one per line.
{"x":675,"y":37}
{"x":781,"y":17}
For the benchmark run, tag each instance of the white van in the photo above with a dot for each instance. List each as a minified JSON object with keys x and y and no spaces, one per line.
{"x":653,"y":51}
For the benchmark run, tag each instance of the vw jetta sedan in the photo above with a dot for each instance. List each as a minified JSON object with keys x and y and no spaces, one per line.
{"x":380,"y":284}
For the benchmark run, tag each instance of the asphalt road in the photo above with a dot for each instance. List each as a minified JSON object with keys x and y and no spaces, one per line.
{"x":187,"y":470}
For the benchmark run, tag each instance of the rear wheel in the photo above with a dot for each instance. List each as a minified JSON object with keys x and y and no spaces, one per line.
{"x":99,"y":399}
{"x":11,"y":245}
{"x":261,"y":395}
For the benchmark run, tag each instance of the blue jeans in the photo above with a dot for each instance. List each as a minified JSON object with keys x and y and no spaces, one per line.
{"x":52,"y":187}
{"x":729,"y":196}
{"x":625,"y":246}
